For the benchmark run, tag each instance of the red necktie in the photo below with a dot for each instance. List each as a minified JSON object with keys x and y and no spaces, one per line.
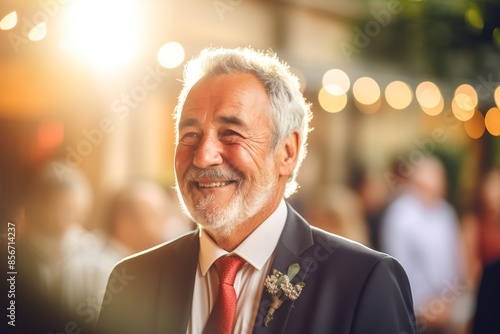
{"x":221,"y":320}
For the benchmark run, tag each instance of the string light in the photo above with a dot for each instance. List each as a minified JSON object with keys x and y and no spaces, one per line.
{"x":331,"y":103}
{"x":9,"y":21}
{"x":398,"y":95}
{"x":336,"y":82}
{"x":492,"y":121}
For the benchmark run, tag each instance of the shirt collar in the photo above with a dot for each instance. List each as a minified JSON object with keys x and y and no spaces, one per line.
{"x":256,"y":249}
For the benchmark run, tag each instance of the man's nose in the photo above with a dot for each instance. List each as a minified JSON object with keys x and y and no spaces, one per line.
{"x":208,"y":152}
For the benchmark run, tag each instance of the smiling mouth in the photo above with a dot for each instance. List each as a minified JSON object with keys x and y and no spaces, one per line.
{"x":213,"y":184}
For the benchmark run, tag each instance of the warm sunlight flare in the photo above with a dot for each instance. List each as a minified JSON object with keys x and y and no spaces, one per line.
{"x":105,"y":33}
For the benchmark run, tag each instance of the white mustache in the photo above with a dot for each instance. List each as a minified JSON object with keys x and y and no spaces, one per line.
{"x":213,"y":173}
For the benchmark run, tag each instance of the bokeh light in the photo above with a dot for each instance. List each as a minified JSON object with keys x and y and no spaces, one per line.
{"x":462,"y":107}
{"x":331,"y":103}
{"x":366,"y":91}
{"x":435,"y":110}
{"x":428,"y":94}
{"x":336,"y":82}
{"x":38,"y":32}
{"x":469,"y":91}
{"x":50,"y":134}
{"x":106,"y":33}
{"x":473,"y":18}
{"x":171,"y":55}
{"x":492,"y":121}
{"x":496,"y":37}
{"x":474,"y":127}
{"x":398,"y":95}
{"x":429,"y":97}
{"x":497,"y":96}
{"x":9,"y":21}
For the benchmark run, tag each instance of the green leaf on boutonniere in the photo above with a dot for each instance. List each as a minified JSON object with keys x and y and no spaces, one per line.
{"x":293,"y":270}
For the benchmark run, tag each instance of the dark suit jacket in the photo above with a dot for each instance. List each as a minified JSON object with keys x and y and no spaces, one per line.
{"x":349,"y":288}
{"x":488,"y":301}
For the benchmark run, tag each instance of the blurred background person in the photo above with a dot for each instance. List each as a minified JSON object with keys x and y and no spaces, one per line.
{"x":485,"y":219}
{"x":373,"y":194}
{"x":488,"y":214}
{"x":481,"y":226}
{"x":420,"y":228}
{"x":140,"y":216}
{"x":488,"y":301}
{"x":337,"y":209}
{"x":56,"y":253}
{"x":143,"y":215}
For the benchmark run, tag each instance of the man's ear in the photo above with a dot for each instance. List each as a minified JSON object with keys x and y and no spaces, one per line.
{"x":289,"y":153}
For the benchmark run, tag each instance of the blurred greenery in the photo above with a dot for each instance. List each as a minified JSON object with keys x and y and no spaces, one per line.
{"x":444,"y":38}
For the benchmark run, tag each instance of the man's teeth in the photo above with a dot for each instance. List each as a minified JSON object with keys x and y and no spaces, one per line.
{"x":212,"y":184}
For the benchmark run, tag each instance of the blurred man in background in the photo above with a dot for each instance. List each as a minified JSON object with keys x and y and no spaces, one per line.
{"x":338,"y":210}
{"x":420,"y":229}
{"x":143,"y":215}
{"x":56,"y":253}
{"x":140,"y":216}
{"x":488,"y":301}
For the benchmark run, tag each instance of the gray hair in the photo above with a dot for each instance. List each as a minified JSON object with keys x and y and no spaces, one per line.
{"x":288,"y":110}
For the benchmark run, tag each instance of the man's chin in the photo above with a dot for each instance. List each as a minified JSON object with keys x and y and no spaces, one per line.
{"x":216,"y":220}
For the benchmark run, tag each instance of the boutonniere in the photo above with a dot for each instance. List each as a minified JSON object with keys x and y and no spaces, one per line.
{"x":280,"y":288}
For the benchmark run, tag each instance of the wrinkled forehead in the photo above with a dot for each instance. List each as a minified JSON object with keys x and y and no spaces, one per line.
{"x":231,"y":94}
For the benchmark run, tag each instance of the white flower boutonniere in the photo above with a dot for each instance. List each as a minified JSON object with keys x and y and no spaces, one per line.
{"x":280,"y":288}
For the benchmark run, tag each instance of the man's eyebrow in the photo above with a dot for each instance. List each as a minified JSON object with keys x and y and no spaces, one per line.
{"x":188,"y":122}
{"x":233,"y":120}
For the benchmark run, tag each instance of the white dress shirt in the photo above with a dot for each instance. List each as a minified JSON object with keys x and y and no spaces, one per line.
{"x":257,"y":250}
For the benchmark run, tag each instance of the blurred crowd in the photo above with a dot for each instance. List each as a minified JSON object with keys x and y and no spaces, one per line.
{"x":406,"y":214}
{"x":66,"y":265}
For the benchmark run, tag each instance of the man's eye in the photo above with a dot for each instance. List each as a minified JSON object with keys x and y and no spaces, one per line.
{"x":190,"y":138}
{"x":230,"y":133}
{"x":230,"y":137}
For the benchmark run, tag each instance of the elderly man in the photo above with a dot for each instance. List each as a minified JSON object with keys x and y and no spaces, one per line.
{"x":254,"y":265}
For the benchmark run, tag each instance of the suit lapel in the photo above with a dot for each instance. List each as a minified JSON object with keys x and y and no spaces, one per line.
{"x":294,"y":240}
{"x":176,"y":287}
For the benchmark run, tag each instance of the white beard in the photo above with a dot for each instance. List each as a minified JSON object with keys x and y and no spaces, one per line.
{"x":223,"y":219}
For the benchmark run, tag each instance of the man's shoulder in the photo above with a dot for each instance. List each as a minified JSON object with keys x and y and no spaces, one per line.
{"x":343,"y":247}
{"x":163,"y":253}
{"x":329,"y":248}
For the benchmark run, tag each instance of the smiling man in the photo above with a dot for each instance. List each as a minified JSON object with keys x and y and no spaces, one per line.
{"x":242,"y":126}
